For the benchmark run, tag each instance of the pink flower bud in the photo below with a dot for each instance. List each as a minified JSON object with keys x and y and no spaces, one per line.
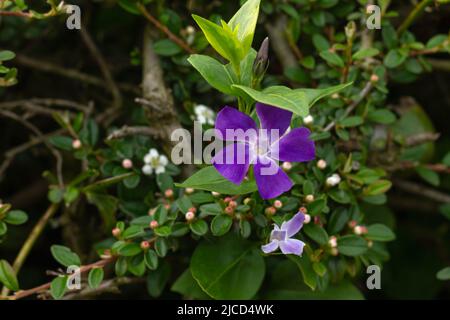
{"x":145,"y":245}
{"x":270,"y":211}
{"x":116,"y":232}
{"x":189,"y":216}
{"x":127,"y":164}
{"x":76,"y":144}
{"x":278,"y":204}
{"x":168,"y":193}
{"x":154,"y":224}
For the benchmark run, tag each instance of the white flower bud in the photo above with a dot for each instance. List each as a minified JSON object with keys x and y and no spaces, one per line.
{"x":76,"y":144}
{"x":332,"y":242}
{"x":309,"y":198}
{"x":321,"y":164}
{"x":307,"y":219}
{"x":286,"y":166}
{"x":333,"y":180}
{"x":309,"y":119}
{"x":189,"y":216}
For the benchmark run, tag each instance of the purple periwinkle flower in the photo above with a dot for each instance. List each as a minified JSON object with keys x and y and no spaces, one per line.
{"x":281,"y":237}
{"x":263,"y":148}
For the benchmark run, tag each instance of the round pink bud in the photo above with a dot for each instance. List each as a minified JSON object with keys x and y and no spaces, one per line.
{"x":116,"y":232}
{"x":168,"y":193}
{"x":321,"y":164}
{"x":76,"y":144}
{"x":278,"y":204}
{"x":270,"y":211}
{"x":307,"y":219}
{"x":127,"y":164}
{"x":154,"y":224}
{"x":332,"y":242}
{"x":145,"y":245}
{"x":309,"y":198}
{"x":232,"y":204}
{"x":287,"y":166}
{"x":229,"y":210}
{"x":227,"y":199}
{"x":374,"y":78}
{"x":303,"y":210}
{"x":193,"y":209}
{"x":189,"y":216}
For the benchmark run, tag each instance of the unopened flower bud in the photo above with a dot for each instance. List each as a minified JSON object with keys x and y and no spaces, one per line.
{"x":229,"y":210}
{"x":127,"y":164}
{"x":287,"y":166}
{"x":189,"y":190}
{"x":76,"y":144}
{"x":309,"y":119}
{"x":332,"y":242}
{"x":215,"y":194}
{"x":278,"y":204}
{"x":350,"y":30}
{"x":168,"y":193}
{"x":335,"y":95}
{"x":358,"y":230}
{"x":154,"y":224}
{"x":232,"y":204}
{"x":374,"y":78}
{"x":303,"y":210}
{"x":247,"y":201}
{"x":151,"y":212}
{"x":190,"y":29}
{"x":321,"y":164}
{"x":307,"y":219}
{"x":167,"y":206}
{"x":333,"y":180}
{"x":334,"y":251}
{"x":145,"y":245}
{"x":116,"y":232}
{"x":261,"y":62}
{"x":227,"y":199}
{"x":370,"y":243}
{"x":189,"y":216}
{"x":193,"y":209}
{"x":309,"y":198}
{"x":270,"y":211}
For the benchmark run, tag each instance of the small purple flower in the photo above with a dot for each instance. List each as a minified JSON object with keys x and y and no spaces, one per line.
{"x":263,"y":149}
{"x":281,"y":237}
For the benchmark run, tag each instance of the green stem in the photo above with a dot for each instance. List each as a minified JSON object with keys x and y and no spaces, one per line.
{"x":29,"y":243}
{"x":413,"y":15}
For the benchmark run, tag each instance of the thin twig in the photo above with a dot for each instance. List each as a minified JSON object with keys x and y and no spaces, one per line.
{"x":421,"y":190}
{"x":31,"y":240}
{"x":126,"y":131}
{"x":364,"y":92}
{"x":164,"y":29}
{"x":15,"y":14}
{"x":421,"y":138}
{"x":418,"y":9}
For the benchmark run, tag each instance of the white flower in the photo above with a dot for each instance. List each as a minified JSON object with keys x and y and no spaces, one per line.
{"x":308,"y":119}
{"x":154,"y":162}
{"x":333,"y":180}
{"x":204,"y":114}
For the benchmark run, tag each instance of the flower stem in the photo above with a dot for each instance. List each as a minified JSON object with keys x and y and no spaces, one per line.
{"x":413,"y":15}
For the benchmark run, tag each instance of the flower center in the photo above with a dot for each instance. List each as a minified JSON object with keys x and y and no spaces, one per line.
{"x":279,"y":235}
{"x":261,"y":147}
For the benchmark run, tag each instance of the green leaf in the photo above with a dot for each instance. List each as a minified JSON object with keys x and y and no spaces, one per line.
{"x":6,"y":55}
{"x":3,"y":228}
{"x":136,"y":265}
{"x":306,"y":269}
{"x":428,"y":175}
{"x":352,"y":245}
{"x":338,"y":220}
{"x":58,"y":287}
{"x":296,"y":100}
{"x":8,"y":276}
{"x":222,"y":39}
{"x":121,"y":266}
{"x":70,"y":195}
{"x":444,"y":274}
{"x":132,"y":182}
{"x":365,"y":53}
{"x":151,"y":259}
{"x":16,"y":217}
{"x":65,"y":256}
{"x":316,"y":233}
{"x":352,"y":121}
{"x":228,"y":268}
{"x":221,"y":224}
{"x":95,"y":277}
{"x":383,"y":116}
{"x":210,"y":179}
{"x":188,"y":287}
{"x":61,"y":142}
{"x":378,"y":187}
{"x":161,"y":247}
{"x":163,"y":231}
{"x":340,"y":196}
{"x":332,"y":58}
{"x":394,"y":58}
{"x":166,"y":47}
{"x":244,"y":21}
{"x":379,"y":232}
{"x":129,"y":249}
{"x":199,"y":227}
{"x":445,"y":210}
{"x":107,"y":206}
{"x":157,"y":280}
{"x":219,"y":76}
{"x":133,"y":231}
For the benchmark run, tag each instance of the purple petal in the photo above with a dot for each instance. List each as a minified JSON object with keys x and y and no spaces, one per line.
{"x":270,"y":247}
{"x":296,"y":146}
{"x":292,"y":246}
{"x":273,"y":118}
{"x":233,"y":120}
{"x":270,"y":179}
{"x":232,"y":162}
{"x":294,"y":225}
